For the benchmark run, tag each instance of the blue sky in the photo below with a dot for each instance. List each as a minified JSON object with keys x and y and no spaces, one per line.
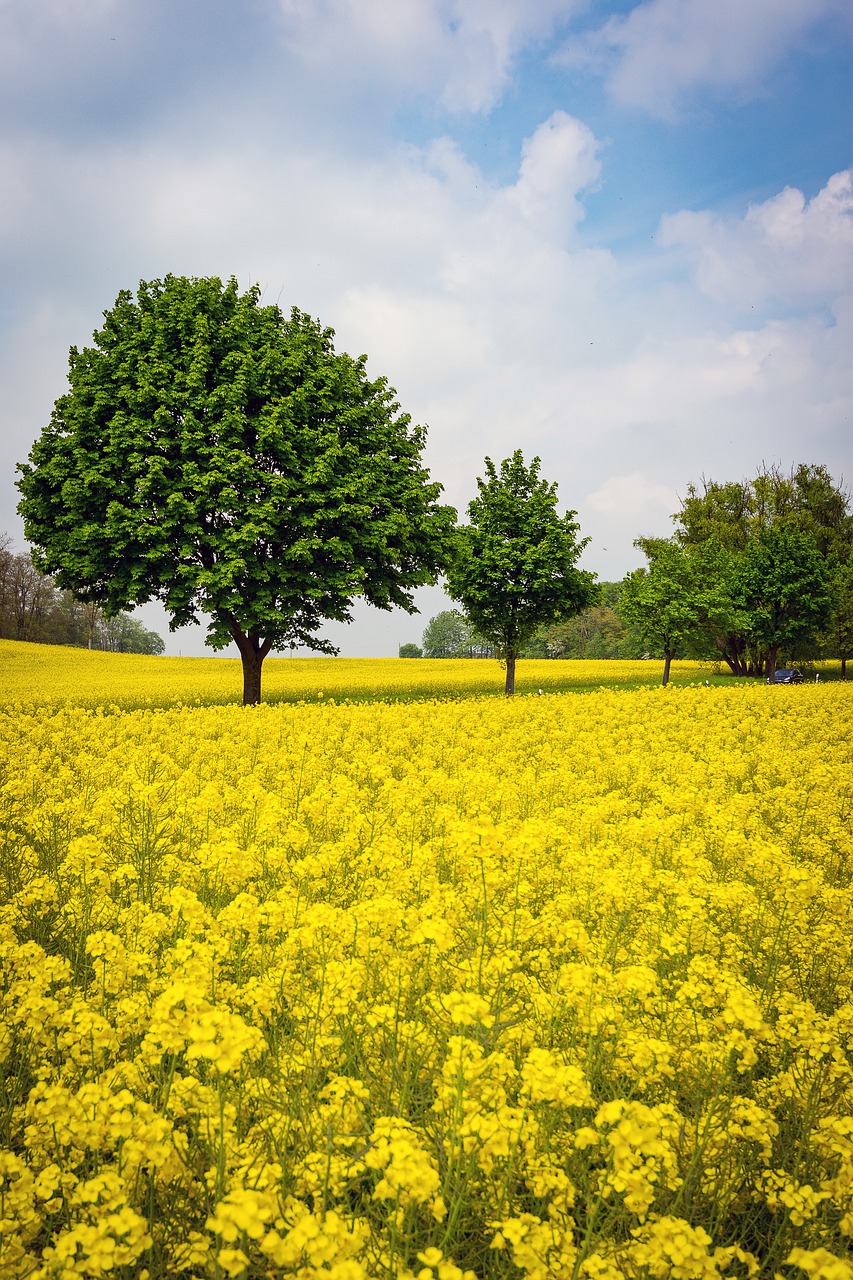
{"x":617,"y":235}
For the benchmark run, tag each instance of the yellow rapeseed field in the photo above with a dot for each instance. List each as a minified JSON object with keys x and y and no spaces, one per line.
{"x":551,"y":988}
{"x":41,"y":674}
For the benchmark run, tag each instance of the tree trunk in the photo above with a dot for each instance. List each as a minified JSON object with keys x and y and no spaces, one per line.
{"x":771,"y":662}
{"x":252,"y":663}
{"x":253,"y":650}
{"x":667,"y":662}
{"x":510,"y":675}
{"x":843,"y":668}
{"x":733,"y":653}
{"x":90,"y":613}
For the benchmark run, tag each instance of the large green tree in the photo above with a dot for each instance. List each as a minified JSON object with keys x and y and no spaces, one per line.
{"x":223,"y":458}
{"x":514,"y":563}
{"x":782,"y":586}
{"x":735,"y":520}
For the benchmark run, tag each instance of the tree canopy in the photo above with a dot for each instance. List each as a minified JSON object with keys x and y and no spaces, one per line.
{"x":668,"y":602}
{"x":513,"y":567}
{"x":735,"y":513}
{"x":772,"y":547}
{"x":225,"y":459}
{"x":782,"y":587}
{"x":451,"y":635}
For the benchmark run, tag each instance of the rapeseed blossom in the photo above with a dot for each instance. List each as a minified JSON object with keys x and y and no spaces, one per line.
{"x":41,"y":674}
{"x":439,"y":991}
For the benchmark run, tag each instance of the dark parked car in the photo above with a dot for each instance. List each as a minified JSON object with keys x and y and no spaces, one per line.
{"x":787,"y":675}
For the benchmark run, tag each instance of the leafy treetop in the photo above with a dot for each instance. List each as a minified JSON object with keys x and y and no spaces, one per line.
{"x":222,"y":458}
{"x":513,"y":568}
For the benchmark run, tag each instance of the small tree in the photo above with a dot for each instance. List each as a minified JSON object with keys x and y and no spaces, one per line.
{"x":668,"y":602}
{"x":513,"y":566}
{"x":410,"y":651}
{"x":445,"y":635}
{"x":451,"y":635}
{"x":214,"y":455}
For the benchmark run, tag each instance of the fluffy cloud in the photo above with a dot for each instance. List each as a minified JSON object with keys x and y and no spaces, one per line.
{"x":786,"y":249}
{"x":461,"y":50}
{"x":663,"y":50}
{"x":623,"y":508}
{"x":558,"y":162}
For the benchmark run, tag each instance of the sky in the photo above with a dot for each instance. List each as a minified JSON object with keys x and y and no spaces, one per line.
{"x":615,"y":235}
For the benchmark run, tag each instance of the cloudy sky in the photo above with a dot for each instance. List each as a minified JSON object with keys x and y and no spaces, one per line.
{"x":618,"y":235}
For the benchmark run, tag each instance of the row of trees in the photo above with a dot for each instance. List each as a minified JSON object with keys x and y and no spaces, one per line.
{"x":223,"y":458}
{"x":756,"y":571}
{"x":32,"y":608}
{"x":450,"y":635}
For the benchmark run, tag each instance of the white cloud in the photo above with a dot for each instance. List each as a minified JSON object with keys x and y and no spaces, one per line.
{"x":664,"y":50}
{"x":623,"y":508}
{"x":462,"y":50}
{"x":786,"y":249}
{"x":633,"y":498}
{"x":558,"y":162}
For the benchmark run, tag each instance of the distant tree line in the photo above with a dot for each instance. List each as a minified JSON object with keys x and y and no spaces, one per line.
{"x":451,"y":635}
{"x":598,"y":632}
{"x":32,"y":608}
{"x":758,"y":574}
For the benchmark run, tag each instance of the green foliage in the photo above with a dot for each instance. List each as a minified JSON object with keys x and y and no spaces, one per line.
{"x":451,"y":635}
{"x":598,"y":632}
{"x":410,"y":651}
{"x":783,"y":587}
{"x":734,"y":514}
{"x":754,"y":535}
{"x":839,"y":633}
{"x":122,"y":634}
{"x":32,"y":609}
{"x":513,"y":568}
{"x":671,"y":601}
{"x":224,"y":459}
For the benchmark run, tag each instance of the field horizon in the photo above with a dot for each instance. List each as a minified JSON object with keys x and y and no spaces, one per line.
{"x":35,"y":674}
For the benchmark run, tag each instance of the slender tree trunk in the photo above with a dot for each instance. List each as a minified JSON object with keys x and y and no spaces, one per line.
{"x":771,"y":662}
{"x":667,"y":662}
{"x":510,"y":674}
{"x":843,"y":668}
{"x":90,"y":613}
{"x":253,"y":650}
